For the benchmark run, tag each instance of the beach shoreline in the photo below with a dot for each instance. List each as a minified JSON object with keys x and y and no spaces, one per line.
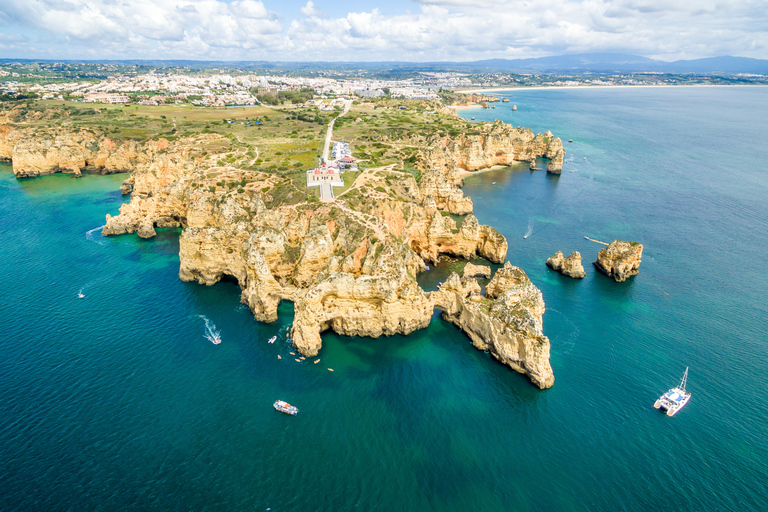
{"x":605,"y":87}
{"x":464,"y":172}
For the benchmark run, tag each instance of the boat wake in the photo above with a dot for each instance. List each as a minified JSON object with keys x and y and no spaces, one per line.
{"x":530,"y":228}
{"x":99,"y":239}
{"x":211,"y":334}
{"x":81,"y":291}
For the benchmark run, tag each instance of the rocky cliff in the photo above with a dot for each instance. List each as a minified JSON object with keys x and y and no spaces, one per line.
{"x":507,"y":321}
{"x":620,"y":260}
{"x":495,"y":144}
{"x":570,"y":266}
{"x":72,"y":152}
{"x":349,"y":266}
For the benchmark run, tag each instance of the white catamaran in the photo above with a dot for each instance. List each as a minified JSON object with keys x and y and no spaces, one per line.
{"x":674,"y":399}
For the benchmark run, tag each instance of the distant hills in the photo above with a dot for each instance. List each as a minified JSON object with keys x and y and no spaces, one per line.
{"x":603,"y":63}
{"x":624,"y":63}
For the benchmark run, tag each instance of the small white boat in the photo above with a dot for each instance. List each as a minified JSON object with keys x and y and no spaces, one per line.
{"x":80,"y":295}
{"x":286,"y":408}
{"x":525,"y":236}
{"x":674,"y":399}
{"x":272,"y":339}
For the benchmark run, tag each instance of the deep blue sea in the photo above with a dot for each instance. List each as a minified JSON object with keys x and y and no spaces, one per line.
{"x":117,"y":400}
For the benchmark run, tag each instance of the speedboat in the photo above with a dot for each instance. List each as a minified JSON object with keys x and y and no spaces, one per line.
{"x":674,"y":399}
{"x":286,"y":408}
{"x":80,"y":295}
{"x":272,"y":339}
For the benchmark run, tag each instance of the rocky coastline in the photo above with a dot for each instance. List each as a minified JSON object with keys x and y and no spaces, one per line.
{"x":72,"y":152}
{"x":348,"y":266}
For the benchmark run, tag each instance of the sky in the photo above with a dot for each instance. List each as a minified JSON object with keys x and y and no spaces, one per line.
{"x":367,"y":30}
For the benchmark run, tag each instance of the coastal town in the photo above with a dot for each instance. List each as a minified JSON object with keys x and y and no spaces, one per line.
{"x":211,"y":87}
{"x":219,"y":90}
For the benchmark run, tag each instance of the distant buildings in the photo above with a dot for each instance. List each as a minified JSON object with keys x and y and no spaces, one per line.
{"x":369,"y":93}
{"x":103,"y":97}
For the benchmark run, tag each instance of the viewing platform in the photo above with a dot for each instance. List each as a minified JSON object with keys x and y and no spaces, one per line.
{"x":326,"y":178}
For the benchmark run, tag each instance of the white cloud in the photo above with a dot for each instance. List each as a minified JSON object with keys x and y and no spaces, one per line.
{"x":310,"y":9}
{"x":439,"y":30}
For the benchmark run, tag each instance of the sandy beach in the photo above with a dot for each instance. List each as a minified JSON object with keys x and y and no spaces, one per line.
{"x":464,"y":172}
{"x":518,"y":88}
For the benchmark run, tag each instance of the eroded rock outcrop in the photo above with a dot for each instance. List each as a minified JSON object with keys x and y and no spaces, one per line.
{"x":444,"y":192}
{"x":471,"y":270}
{"x":620,"y":259}
{"x":507,"y":322}
{"x":496,"y":144}
{"x":570,"y":266}
{"x":72,"y":152}
{"x":431,"y":237}
{"x":359,"y":306}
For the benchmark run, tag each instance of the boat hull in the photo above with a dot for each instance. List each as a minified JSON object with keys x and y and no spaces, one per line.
{"x":675,"y":410}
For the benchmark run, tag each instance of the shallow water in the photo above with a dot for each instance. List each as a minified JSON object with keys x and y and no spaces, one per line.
{"x":118,"y":400}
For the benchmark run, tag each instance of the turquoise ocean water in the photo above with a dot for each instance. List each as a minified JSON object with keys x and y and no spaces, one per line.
{"x":117,"y":400}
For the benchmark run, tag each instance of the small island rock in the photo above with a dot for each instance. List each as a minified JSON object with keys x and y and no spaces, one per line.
{"x":570,"y":266}
{"x":620,"y":259}
{"x":471,"y":270}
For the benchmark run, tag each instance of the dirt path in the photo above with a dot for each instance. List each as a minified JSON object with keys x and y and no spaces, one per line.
{"x":329,"y":134}
{"x":361,"y":217}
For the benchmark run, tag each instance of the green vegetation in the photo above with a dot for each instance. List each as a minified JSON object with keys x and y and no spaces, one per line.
{"x":290,"y":97}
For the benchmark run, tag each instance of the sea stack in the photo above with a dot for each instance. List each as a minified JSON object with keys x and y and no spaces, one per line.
{"x":620,"y":259}
{"x":570,"y":266}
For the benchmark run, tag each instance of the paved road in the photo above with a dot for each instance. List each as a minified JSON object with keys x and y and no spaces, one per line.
{"x":326,"y":148}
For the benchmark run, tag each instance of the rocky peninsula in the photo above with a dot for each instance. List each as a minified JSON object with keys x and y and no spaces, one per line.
{"x":349,"y":266}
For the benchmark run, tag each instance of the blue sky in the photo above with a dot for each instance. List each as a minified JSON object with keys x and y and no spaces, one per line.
{"x":365,"y":30}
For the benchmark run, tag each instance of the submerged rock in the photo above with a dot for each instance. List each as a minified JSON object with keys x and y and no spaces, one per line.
{"x":620,"y":259}
{"x":570,"y":266}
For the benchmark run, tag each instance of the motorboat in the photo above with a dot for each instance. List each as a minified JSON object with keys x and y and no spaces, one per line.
{"x":286,"y":408}
{"x":272,"y":339}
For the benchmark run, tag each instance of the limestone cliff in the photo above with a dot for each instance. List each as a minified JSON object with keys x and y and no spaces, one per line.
{"x":72,"y":152}
{"x":349,"y":266}
{"x":431,"y":237}
{"x":570,"y":266}
{"x":620,"y":260}
{"x":507,"y":322}
{"x":495,"y":144}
